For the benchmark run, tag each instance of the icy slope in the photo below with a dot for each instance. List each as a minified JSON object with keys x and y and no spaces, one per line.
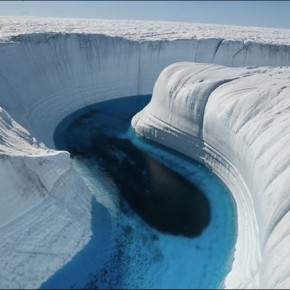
{"x":49,"y":68}
{"x":45,"y":208}
{"x":236,"y":121}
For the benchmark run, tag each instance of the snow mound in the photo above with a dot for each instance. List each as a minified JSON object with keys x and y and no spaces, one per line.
{"x":236,"y":122}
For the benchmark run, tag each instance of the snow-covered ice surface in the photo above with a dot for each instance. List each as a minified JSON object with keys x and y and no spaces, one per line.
{"x":142,"y":30}
{"x":41,"y":227}
{"x":235,"y":121}
{"x":49,"y":68}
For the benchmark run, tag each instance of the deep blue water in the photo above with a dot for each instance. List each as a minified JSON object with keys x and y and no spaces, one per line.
{"x":174,"y":221}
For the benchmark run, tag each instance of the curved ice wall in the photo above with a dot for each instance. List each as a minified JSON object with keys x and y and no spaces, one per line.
{"x":50,"y":68}
{"x":235,"y":121}
{"x":46,"y":76}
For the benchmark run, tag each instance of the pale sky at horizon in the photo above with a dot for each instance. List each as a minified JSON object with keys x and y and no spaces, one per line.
{"x":251,"y":13}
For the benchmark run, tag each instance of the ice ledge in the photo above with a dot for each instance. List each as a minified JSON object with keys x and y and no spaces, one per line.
{"x":235,"y":121}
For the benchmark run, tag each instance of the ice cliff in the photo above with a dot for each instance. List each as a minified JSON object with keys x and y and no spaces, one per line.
{"x":235,"y":121}
{"x":51,"y":67}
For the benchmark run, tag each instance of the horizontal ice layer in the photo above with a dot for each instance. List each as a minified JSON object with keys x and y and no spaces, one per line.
{"x":235,"y":121}
{"x":50,"y":68}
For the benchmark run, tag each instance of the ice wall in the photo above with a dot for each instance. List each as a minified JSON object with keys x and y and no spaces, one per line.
{"x":46,"y":76}
{"x":235,"y":121}
{"x":52,"y":67}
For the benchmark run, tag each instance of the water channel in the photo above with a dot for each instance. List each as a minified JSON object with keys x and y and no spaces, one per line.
{"x":173,"y":223}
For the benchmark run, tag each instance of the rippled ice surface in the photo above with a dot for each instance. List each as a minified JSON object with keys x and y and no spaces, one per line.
{"x":145,"y":244}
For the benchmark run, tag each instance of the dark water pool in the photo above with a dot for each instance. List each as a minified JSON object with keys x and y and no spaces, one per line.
{"x":180,"y":209}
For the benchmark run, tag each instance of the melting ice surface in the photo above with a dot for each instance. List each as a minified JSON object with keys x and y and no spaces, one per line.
{"x":173,"y":222}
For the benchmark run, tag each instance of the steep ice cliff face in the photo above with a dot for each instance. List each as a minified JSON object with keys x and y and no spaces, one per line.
{"x":142,"y":30}
{"x":235,"y":121}
{"x":52,"y":67}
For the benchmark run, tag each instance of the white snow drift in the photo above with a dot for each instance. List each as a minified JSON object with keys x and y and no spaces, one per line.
{"x":52,"y":67}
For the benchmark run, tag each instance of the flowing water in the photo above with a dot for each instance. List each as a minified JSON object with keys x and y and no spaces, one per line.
{"x":170,"y":222}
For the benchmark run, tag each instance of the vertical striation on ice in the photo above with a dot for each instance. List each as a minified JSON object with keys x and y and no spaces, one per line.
{"x":240,"y":119}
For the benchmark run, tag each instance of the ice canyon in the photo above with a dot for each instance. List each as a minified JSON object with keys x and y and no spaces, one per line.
{"x":220,"y":96}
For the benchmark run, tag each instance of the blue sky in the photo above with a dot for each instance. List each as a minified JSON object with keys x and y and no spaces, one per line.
{"x":251,"y":13}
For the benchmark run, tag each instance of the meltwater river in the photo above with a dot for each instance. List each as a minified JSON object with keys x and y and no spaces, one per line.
{"x":173,"y":223}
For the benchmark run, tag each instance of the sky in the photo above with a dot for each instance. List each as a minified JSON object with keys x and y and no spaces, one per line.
{"x":251,"y":13}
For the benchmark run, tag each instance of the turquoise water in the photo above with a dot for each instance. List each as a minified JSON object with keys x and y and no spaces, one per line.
{"x":173,"y":223}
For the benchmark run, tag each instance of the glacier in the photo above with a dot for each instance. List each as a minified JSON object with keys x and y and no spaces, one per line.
{"x":232,"y":119}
